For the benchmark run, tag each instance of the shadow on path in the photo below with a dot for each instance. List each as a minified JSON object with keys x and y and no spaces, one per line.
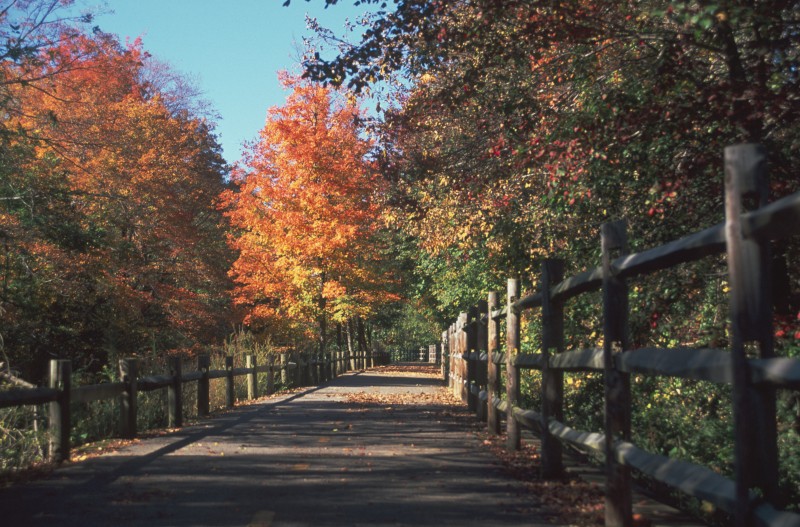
{"x":311,"y":458}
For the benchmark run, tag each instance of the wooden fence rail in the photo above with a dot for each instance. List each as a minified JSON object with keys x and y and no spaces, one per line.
{"x":60,"y":393}
{"x":471,"y":344}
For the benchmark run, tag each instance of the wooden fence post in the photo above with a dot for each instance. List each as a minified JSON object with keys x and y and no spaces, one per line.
{"x":444,"y":356}
{"x":325,"y":367}
{"x":271,"y":375}
{"x":129,"y":373}
{"x":454,"y":376}
{"x":336,"y":369}
{"x":203,"y":365}
{"x":175,"y":393}
{"x":481,"y":337}
{"x":252,"y":377}
{"x":457,"y":357}
{"x":513,"y":438}
{"x":463,"y":347}
{"x":230,"y":388}
{"x":59,"y":423}
{"x":451,"y":351}
{"x":472,"y":348}
{"x":613,"y":238}
{"x":297,"y":372}
{"x":302,"y":369}
{"x":755,"y":428}
{"x":552,"y":380}
{"x":284,"y":368}
{"x":493,"y":381}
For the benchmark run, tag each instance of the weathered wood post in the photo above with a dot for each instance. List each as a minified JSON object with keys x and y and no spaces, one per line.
{"x":463,"y":345}
{"x":312,"y":370}
{"x":445,"y":368}
{"x":59,"y":423}
{"x":305,"y":360}
{"x":552,"y":380}
{"x":271,"y":375}
{"x":451,"y":372}
{"x":323,"y":367}
{"x":472,"y":348}
{"x":492,"y":348}
{"x":203,"y":365}
{"x":457,"y":358}
{"x":284,"y":369}
{"x":302,"y":365}
{"x":480,"y":348}
{"x":755,"y":428}
{"x":298,"y":371}
{"x":175,"y":392}
{"x":351,"y":352}
{"x":453,"y":351}
{"x":335,"y":364}
{"x":614,"y":238}
{"x":513,"y":438}
{"x":129,"y":373}
{"x":252,"y":377}
{"x":230,"y":388}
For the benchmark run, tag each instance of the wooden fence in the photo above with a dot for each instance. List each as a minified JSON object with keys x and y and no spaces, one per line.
{"x":476,"y":357}
{"x":408,"y":355}
{"x":310,"y":369}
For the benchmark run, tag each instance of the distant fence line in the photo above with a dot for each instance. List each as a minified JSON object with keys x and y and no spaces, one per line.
{"x":474,"y":357}
{"x":309,"y":369}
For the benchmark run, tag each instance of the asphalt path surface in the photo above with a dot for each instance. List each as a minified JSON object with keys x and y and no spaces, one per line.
{"x":343,"y":454}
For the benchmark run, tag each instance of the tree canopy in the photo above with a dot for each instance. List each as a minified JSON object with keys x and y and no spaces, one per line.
{"x":112,"y":244}
{"x":305,"y":211}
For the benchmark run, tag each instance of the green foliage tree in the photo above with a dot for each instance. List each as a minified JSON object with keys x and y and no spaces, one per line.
{"x":527,"y":124}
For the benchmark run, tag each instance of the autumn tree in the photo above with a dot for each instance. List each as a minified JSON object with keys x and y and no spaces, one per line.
{"x":527,"y":124}
{"x":305,"y":215}
{"x":112,"y":241}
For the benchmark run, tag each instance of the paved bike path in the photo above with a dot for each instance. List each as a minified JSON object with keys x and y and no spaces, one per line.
{"x":312,"y":458}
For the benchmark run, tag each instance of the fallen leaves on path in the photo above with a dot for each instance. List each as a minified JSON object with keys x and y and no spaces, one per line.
{"x":389,"y":400}
{"x":428,"y":371}
{"x":572,"y":500}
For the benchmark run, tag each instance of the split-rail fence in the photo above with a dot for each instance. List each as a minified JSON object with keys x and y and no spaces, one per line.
{"x":476,"y":357}
{"x":310,"y":369}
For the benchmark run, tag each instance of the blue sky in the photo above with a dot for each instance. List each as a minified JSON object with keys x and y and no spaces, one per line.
{"x":234,"y":47}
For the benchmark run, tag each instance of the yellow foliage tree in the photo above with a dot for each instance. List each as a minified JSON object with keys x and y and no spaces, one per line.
{"x":306,"y":215}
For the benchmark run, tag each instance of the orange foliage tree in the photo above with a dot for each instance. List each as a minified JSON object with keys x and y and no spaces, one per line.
{"x":112,"y":241}
{"x":306,"y":216}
